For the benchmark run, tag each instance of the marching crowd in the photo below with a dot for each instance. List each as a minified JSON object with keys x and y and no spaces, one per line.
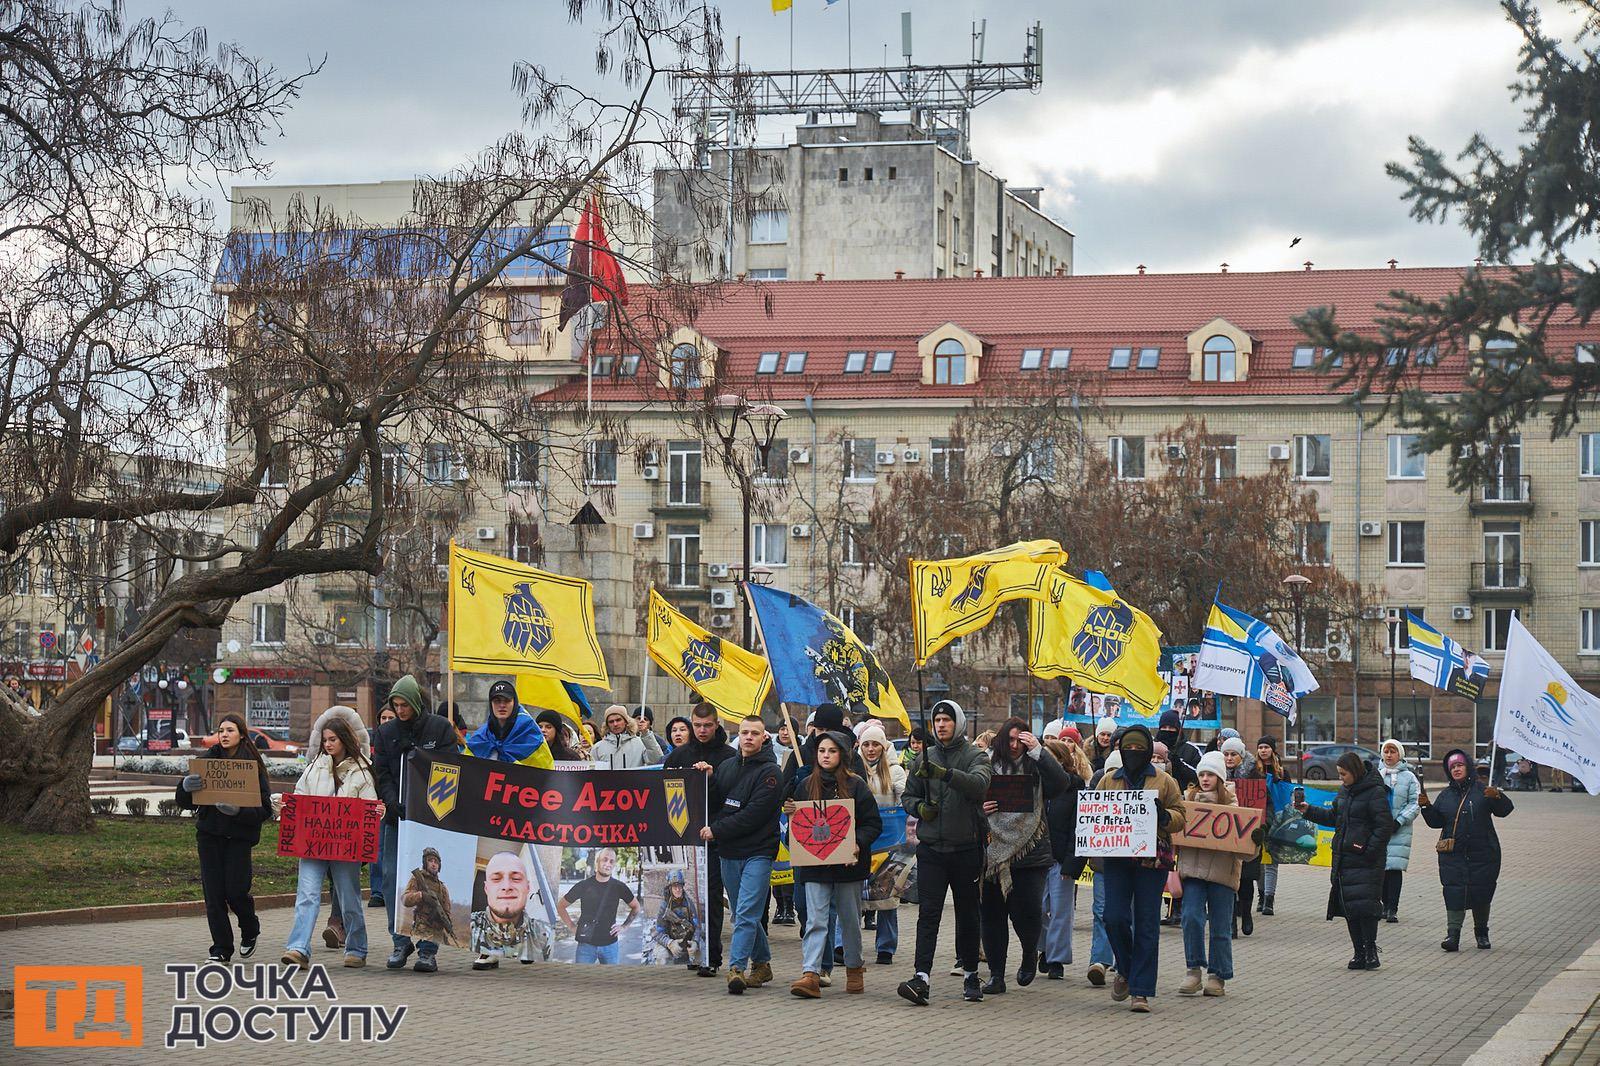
{"x":1005,"y":871}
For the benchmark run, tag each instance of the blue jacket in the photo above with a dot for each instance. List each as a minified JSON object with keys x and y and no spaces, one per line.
{"x":1403,"y":792}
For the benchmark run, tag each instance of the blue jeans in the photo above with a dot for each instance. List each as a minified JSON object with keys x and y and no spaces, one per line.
{"x":1099,"y":943}
{"x":346,"y":899}
{"x":1055,"y":938}
{"x":748,"y":882}
{"x":375,"y":871}
{"x":888,"y":930}
{"x":1208,"y":901}
{"x":609,"y":955}
{"x":827,"y":903}
{"x":1133,"y":920}
{"x":389,"y":841}
{"x":800,"y":909}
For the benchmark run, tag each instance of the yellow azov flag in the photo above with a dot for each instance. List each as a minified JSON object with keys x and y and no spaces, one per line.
{"x":953,"y":597}
{"x":728,"y":677}
{"x":1093,"y":637}
{"x":507,"y":618}
{"x":540,"y":691}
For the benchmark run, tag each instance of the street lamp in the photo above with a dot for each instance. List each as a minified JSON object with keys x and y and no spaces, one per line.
{"x":1297,"y":590}
{"x":762,"y":421}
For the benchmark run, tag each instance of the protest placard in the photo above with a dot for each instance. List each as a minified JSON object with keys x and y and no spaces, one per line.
{"x":1221,"y":827}
{"x":1116,"y":823}
{"x":1013,"y":792}
{"x":235,"y":781}
{"x":823,"y":833}
{"x":333,"y":828}
{"x":1251,"y":792}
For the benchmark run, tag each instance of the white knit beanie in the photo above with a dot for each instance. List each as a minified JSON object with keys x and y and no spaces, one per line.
{"x":1105,"y":725}
{"x":1235,"y":744}
{"x":1114,"y":761}
{"x":873,"y":731}
{"x":1399,"y":746}
{"x":1211,"y":762}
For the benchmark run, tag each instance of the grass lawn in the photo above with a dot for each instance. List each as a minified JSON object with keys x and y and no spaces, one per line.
{"x":122,"y":861}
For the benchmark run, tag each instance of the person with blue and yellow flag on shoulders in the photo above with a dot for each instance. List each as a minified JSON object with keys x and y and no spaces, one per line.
{"x":510,"y":733}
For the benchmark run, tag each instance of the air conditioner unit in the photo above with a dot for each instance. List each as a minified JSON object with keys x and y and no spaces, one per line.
{"x":1461,"y":612}
{"x":1393,"y":614}
{"x":800,"y":530}
{"x":1336,"y":636}
{"x":442,"y":571}
{"x":1002,"y":450}
{"x":1371,"y":614}
{"x":321,"y":637}
{"x":912,"y":455}
{"x":961,"y":259}
{"x":722,"y":599}
{"x":717,"y":570}
{"x":799,"y":456}
{"x":485,"y":533}
{"x":721,"y":621}
{"x":1337,"y":653}
{"x":886,"y":458}
{"x":651,"y":473}
{"x":1175,"y":452}
{"x":1372,"y":529}
{"x":1278,"y":453}
{"x":644,"y":530}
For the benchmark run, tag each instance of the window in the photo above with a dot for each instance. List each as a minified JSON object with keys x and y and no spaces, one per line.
{"x":769,"y":544}
{"x":776,"y":467}
{"x":522,"y":319}
{"x":1149,"y":358}
{"x":270,"y":623}
{"x":1305,"y":357}
{"x":1589,"y":455}
{"x":866,"y":173}
{"x":1505,"y":484}
{"x":522,"y":462}
{"x":938,"y":229}
{"x":396,"y":469}
{"x":860,"y":459}
{"x":769,"y":227}
{"x":602,"y":365}
{"x":951,"y":545}
{"x":1584,"y":353}
{"x":769,"y":274}
{"x":1314,"y":543}
{"x":46,"y":585}
{"x":1589,"y":542}
{"x":685,"y":368}
{"x":1497,"y":627}
{"x":1502,"y":555}
{"x":18,"y":578}
{"x":442,"y":463}
{"x":882,"y":362}
{"x":276,"y":476}
{"x":1038,"y":459}
{"x":1120,"y":358}
{"x":350,"y":625}
{"x":855,"y":362}
{"x":1589,"y":631}
{"x":1218,"y":360}
{"x":600,"y":462}
{"x":683,"y":557}
{"x":1060,"y":358}
{"x":1319,"y":713}
{"x":1406,"y":463}
{"x":1499,"y":353}
{"x":768,"y":363}
{"x":844,"y":173}
{"x":1031,"y":358}
{"x":1127,"y":458}
{"x":629,"y":367}
{"x":950,"y":363}
{"x":522,"y":542}
{"x":947,"y":459}
{"x":893,"y":173}
{"x":1426,"y":356}
{"x":1314,"y":629}
{"x":1222,"y":458}
{"x":795,"y":363}
{"x":683,"y":474}
{"x":858,"y":622}
{"x":1406,"y":544}
{"x":854,"y":548}
{"x":1409,"y":720}
{"x":1313,"y":457}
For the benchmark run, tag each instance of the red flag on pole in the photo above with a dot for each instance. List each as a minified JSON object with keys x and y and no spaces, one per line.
{"x":593,"y":275}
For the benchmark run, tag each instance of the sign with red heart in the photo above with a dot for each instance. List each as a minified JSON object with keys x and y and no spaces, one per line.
{"x":817,"y":829}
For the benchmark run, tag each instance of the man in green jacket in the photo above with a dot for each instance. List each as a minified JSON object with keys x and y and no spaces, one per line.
{"x":945,"y":792}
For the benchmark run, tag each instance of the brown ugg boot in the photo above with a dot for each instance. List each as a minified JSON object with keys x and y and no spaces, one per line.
{"x":855,"y":980}
{"x":807,"y":987}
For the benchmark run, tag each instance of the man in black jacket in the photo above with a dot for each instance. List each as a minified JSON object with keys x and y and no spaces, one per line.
{"x":413,"y":728}
{"x":746,"y":795}
{"x":706,"y":750}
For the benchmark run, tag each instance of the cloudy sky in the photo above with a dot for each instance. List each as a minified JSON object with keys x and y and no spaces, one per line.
{"x":1170,"y":133}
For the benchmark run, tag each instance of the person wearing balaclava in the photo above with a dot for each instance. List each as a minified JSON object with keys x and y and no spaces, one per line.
{"x":1134,"y":886}
{"x":1469,"y":847}
{"x":1170,"y":733}
{"x":945,"y":792}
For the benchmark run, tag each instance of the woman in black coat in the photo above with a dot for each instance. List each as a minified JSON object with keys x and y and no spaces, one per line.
{"x":1362,"y":826}
{"x":1469,"y":856}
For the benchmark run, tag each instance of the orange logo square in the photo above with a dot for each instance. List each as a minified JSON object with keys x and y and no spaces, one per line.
{"x":79,"y":1006}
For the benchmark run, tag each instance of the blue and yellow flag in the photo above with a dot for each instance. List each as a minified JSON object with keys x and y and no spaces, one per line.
{"x":728,"y":677}
{"x":1243,"y":656}
{"x":953,"y":597}
{"x":507,"y":618}
{"x":538,"y":691}
{"x":1443,"y":663}
{"x":1090,"y":635}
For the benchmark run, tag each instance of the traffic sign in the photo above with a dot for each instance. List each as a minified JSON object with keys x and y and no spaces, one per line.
{"x":88,"y":644}
{"x":47,"y":640}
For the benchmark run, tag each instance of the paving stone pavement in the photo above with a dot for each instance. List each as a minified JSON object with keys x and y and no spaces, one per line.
{"x":1293,"y":999}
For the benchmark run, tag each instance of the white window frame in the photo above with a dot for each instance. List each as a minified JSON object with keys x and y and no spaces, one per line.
{"x":1121,"y":358}
{"x":882,"y":362}
{"x":1032,"y":358}
{"x":522,"y":540}
{"x":769,"y":227}
{"x":794,"y":363}
{"x":1399,"y":633}
{"x":518,"y":459}
{"x":855,"y":362}
{"x":850,"y":549}
{"x":764,"y":537}
{"x":1155,"y":359}
{"x":1302,"y":549}
{"x":258,"y":625}
{"x":947,"y":456}
{"x":854,"y":457}
{"x":521,"y":330}
{"x":1301,"y":453}
{"x":1060,"y":359}
{"x":1491,"y":614}
{"x":1400,"y":451}
{"x":768,"y":362}
{"x":1589,"y":631}
{"x":769,"y":274}
{"x":591,"y":451}
{"x":682,"y":490}
{"x":1118,"y":450}
{"x":1589,"y":542}
{"x":441,"y":464}
{"x":679,"y":541}
{"x":1395,"y":535}
{"x":1589,"y":455}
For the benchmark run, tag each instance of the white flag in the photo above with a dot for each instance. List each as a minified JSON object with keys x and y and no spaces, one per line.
{"x":1543,"y":715}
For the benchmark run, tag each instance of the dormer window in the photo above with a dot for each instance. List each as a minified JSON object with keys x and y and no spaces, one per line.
{"x":685,"y":368}
{"x":950,"y":363}
{"x":1219,"y":360}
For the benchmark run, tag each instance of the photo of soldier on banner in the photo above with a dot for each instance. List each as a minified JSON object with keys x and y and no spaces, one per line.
{"x":1198,"y":709}
{"x":435,"y":884}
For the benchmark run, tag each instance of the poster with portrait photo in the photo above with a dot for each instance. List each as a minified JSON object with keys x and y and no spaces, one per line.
{"x":434,"y":881}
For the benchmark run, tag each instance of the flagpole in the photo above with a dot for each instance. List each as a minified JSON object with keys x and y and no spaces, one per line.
{"x":450,"y":643}
{"x":644,"y":677}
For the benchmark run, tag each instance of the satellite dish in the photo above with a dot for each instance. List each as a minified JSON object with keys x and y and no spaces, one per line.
{"x":233,"y":646}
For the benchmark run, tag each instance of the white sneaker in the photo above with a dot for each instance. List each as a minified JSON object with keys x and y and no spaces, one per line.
{"x":485,"y":962}
{"x":957,"y":971}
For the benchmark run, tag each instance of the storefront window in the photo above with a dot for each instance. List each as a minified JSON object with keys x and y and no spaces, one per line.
{"x":1410,"y":721}
{"x":266,"y":707}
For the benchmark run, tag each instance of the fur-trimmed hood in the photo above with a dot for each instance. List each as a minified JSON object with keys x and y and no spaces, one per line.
{"x":351,"y":719}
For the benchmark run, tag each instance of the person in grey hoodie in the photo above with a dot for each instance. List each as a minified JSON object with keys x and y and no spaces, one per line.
{"x":628,"y":743}
{"x":945,"y":792}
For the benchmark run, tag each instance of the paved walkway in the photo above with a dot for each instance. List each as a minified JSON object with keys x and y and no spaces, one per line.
{"x":1293,"y":997}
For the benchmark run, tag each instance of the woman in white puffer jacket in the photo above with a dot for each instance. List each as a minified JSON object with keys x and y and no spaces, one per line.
{"x":341,"y":767}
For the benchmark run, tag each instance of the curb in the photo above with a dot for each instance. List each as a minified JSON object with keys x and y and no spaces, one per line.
{"x":1539,"y":1028}
{"x":133,"y":912}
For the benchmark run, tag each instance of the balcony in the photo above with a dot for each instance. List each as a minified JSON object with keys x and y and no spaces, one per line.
{"x":1509,"y":495}
{"x":685,"y":582}
{"x":676,"y":500}
{"x":1502,"y":582}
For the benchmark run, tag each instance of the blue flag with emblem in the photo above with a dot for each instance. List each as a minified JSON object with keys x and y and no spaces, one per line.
{"x":1243,"y":656}
{"x":1443,"y":663}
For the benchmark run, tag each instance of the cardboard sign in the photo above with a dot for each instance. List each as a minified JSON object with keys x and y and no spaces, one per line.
{"x":1117,"y":823}
{"x":332,"y":828}
{"x":1251,"y":792}
{"x":235,"y":781}
{"x":1220,"y":827}
{"x":823,"y":833}
{"x":1013,"y":792}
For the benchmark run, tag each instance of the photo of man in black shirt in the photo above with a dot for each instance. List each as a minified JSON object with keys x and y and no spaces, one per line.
{"x":598,"y":895}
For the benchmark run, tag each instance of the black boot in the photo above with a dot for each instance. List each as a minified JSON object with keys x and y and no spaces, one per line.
{"x":1247,"y":924}
{"x":1266,"y":903}
{"x":1359,"y":962}
{"x":1029,"y":967}
{"x":1452,"y":940}
{"x":1261,"y":903}
{"x":1235,"y":927}
{"x":1372,"y":957}
{"x":1482,"y":935}
{"x":996,"y":985}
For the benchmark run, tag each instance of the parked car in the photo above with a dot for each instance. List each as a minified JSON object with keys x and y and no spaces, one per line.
{"x":164,"y":740}
{"x":264,"y":744}
{"x":1319,"y":759}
